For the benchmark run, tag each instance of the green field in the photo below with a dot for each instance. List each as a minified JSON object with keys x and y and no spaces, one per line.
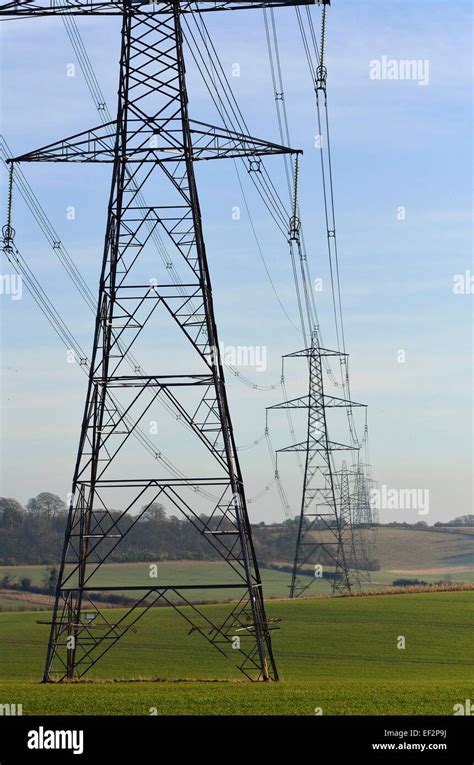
{"x":337,"y":654}
{"x":175,"y":572}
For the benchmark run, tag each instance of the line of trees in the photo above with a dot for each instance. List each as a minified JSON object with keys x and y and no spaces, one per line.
{"x":34,"y":534}
{"x":461,"y":520}
{"x":31,"y":534}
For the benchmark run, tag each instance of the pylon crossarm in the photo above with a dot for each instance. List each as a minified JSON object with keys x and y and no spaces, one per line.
{"x":335,"y":402}
{"x":211,"y":142}
{"x":332,"y":445}
{"x":310,"y":351}
{"x":154,"y":141}
{"x":303,"y":402}
{"x":91,"y":8}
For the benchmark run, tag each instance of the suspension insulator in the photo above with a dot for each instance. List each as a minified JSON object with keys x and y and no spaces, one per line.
{"x":321,"y":78}
{"x":8,"y":234}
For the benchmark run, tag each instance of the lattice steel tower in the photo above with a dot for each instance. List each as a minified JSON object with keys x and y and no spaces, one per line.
{"x":324,"y":534}
{"x":348,"y":537}
{"x":364,"y":519}
{"x":153,"y":145}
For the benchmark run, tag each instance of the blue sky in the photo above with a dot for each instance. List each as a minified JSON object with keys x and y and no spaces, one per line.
{"x":395,"y":143}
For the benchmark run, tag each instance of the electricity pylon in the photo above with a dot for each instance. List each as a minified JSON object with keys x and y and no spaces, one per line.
{"x":348,"y":537}
{"x":321,"y":538}
{"x":364,"y":520}
{"x":152,"y":146}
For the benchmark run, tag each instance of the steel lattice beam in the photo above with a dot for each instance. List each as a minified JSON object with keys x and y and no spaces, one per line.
{"x":156,"y":140}
{"x":94,"y":8}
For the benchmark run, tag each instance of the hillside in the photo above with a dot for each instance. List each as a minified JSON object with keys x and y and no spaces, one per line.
{"x":399,"y":548}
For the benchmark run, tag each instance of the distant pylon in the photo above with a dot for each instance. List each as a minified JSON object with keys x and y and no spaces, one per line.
{"x":364,"y":521}
{"x":321,"y":540}
{"x":348,"y":542}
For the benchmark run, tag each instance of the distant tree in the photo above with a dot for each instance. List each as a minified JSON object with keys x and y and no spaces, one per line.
{"x":373,"y":565}
{"x":11,"y":513}
{"x":462,"y":520}
{"x":6,"y":581}
{"x":50,"y":578}
{"x":46,"y":505}
{"x":409,"y":582}
{"x":154,"y":512}
{"x":25,"y":582}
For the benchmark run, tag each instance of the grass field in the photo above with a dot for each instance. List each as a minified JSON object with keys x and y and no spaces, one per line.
{"x":339,"y":655}
{"x":275,"y":582}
